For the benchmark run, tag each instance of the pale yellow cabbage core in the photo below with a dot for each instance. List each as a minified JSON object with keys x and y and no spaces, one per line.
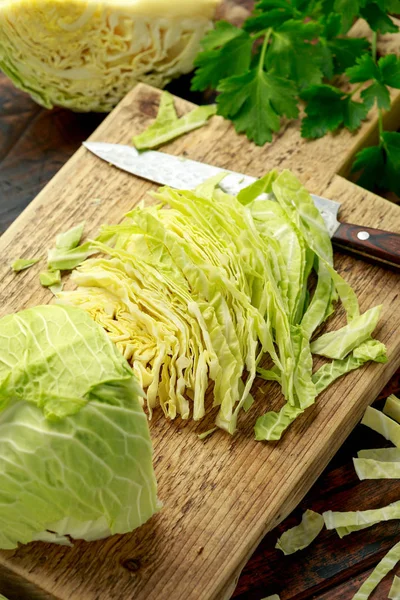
{"x":88,"y":55}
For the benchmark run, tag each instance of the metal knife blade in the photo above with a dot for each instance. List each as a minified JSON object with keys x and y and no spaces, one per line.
{"x":185,"y":174}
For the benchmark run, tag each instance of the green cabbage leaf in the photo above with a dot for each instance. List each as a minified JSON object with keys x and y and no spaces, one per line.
{"x":392,"y":407}
{"x":394,"y":593}
{"x":75,"y":449}
{"x":302,"y":535}
{"x":382,"y":424}
{"x":167,"y":126}
{"x":384,"y":567}
{"x":347,"y":522}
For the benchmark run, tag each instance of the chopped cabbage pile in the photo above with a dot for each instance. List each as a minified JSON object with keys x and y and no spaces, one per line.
{"x":86,"y":55}
{"x":75,"y":449}
{"x":381,"y":461}
{"x":203,"y":285}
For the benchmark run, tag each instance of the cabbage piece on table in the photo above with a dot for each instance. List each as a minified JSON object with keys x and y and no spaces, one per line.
{"x":387,"y":563}
{"x":75,"y":449}
{"x":392,"y":407}
{"x":347,"y":522}
{"x":369,"y":468}
{"x":301,"y":535}
{"x":382,"y":424}
{"x":394,"y":593}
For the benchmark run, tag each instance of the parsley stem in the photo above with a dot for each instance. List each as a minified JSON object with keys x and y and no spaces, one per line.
{"x":380,"y":124}
{"x":264,"y":49}
{"x":374,"y":45}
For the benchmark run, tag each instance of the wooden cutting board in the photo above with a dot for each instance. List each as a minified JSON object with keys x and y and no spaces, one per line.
{"x":223,"y":494}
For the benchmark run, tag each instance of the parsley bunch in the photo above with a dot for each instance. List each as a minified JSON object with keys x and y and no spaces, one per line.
{"x":292,"y":50}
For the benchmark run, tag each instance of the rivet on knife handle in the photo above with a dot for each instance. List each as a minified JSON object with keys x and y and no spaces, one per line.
{"x":383,"y":246}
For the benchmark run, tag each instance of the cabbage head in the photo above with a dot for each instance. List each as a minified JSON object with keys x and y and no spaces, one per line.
{"x":86,"y":55}
{"x":75,"y":449}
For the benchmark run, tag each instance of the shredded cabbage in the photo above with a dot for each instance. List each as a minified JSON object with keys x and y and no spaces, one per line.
{"x":394,"y":593}
{"x":392,"y":407}
{"x":382,"y":424}
{"x":167,"y":126}
{"x":71,"y":238}
{"x":368,"y":468}
{"x":87,"y":55}
{"x":347,"y":522}
{"x":387,"y":563}
{"x":202,"y":285}
{"x":23,"y":263}
{"x":50,"y":278}
{"x":302,"y":535}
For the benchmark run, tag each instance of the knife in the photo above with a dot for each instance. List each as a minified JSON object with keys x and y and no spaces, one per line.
{"x":185,"y":174}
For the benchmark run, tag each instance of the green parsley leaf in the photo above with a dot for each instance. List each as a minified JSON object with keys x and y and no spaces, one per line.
{"x":377,"y":19}
{"x":255,"y":102}
{"x":389,"y":67}
{"x":371,"y":163}
{"x":222,"y":33}
{"x":230,"y":54}
{"x":327,"y":109}
{"x":392,"y":6}
{"x":380,"y":165}
{"x":376,"y":92}
{"x":353,"y":113}
{"x":385,"y":72}
{"x":345,"y":52}
{"x":364,"y":70}
{"x":272,"y":18}
{"x":391,"y":146}
{"x":349,"y":10}
{"x":292,"y":55}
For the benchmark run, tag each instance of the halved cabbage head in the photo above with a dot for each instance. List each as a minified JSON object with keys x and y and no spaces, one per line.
{"x":86,"y":55}
{"x":75,"y":449}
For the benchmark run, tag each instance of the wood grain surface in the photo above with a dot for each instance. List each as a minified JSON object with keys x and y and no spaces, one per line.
{"x":266,"y":571}
{"x":220,"y":496}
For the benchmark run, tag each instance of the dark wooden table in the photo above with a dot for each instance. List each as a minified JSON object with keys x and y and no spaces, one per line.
{"x":34,"y":144}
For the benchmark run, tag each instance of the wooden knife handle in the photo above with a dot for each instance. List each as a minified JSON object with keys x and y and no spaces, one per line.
{"x":382,"y":246}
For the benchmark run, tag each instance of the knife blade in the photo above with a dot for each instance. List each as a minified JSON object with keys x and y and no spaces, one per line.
{"x":183,"y":173}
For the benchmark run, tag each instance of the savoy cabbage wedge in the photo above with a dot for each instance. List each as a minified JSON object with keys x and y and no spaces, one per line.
{"x":75,"y":449}
{"x":202,"y":285}
{"x":87,"y":55}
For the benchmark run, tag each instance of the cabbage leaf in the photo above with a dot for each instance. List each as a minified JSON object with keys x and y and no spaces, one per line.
{"x":71,"y":238}
{"x":301,"y":536}
{"x":394,"y":593}
{"x":49,"y":278}
{"x":23,"y":263}
{"x":387,"y":563}
{"x":381,"y":454}
{"x":347,"y":522}
{"x":338,"y":344}
{"x":382,"y":424}
{"x":75,"y":449}
{"x":167,"y":126}
{"x":392,"y":407}
{"x":369,"y":350}
{"x":368,"y":468}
